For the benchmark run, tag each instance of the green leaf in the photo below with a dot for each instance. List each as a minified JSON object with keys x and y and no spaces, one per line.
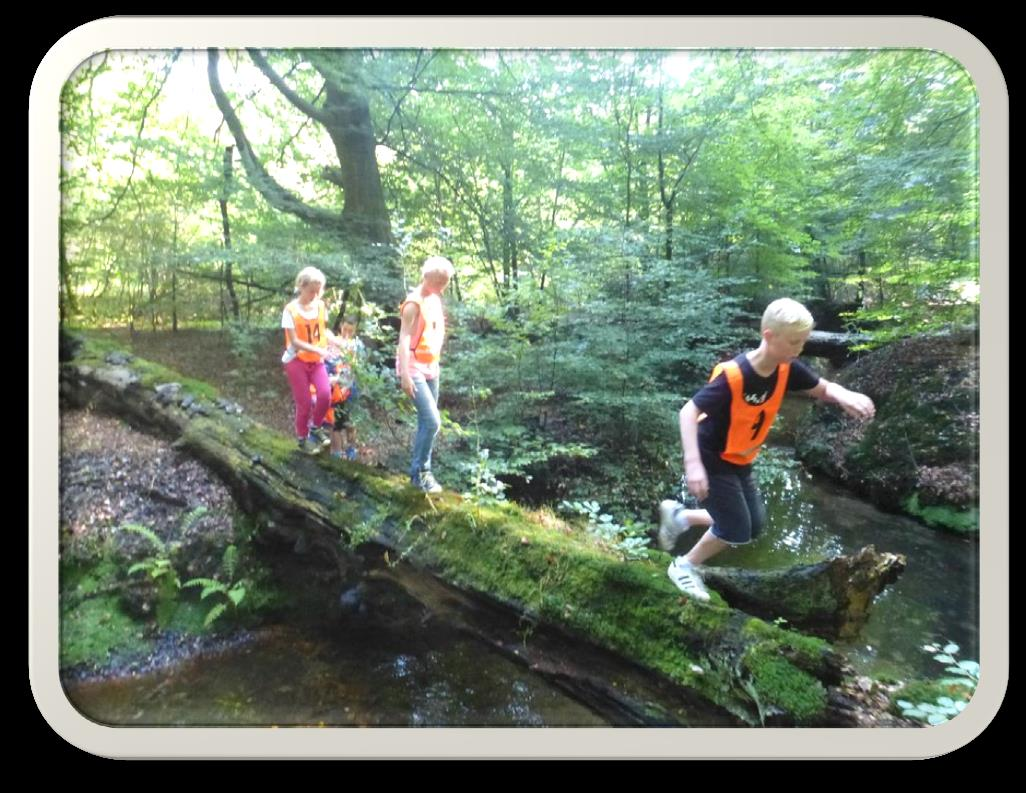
{"x":937,"y":718}
{"x":214,"y":613}
{"x":189,"y":520}
{"x":944,"y":659}
{"x":237,"y":594}
{"x":958,"y":681}
{"x":145,"y":532}
{"x":950,"y":649}
{"x":204,"y":582}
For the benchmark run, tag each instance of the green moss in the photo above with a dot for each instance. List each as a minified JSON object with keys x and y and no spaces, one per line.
{"x":95,"y":628}
{"x":782,"y":664}
{"x":153,"y":374}
{"x":777,"y":683}
{"x":80,"y":579}
{"x":278,"y":448}
{"x":94,"y":352}
{"x":188,"y":616}
{"x":94,"y":349}
{"x":807,"y":646}
{"x":965,"y":521}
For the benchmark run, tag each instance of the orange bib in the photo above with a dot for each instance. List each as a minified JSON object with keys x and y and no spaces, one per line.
{"x":749,"y":424}
{"x":426,"y":341}
{"x":309,"y":330}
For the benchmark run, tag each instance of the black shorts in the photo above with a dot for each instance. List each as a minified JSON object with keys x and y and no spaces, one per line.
{"x":735,"y":506}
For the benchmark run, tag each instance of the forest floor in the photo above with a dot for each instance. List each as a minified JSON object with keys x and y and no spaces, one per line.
{"x":112,"y":476}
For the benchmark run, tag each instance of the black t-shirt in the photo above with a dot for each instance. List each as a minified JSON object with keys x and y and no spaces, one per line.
{"x":714,"y":400}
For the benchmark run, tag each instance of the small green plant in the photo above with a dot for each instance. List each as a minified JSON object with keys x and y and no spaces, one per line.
{"x":628,"y":539}
{"x":485,"y":489}
{"x":192,"y":517}
{"x":366,"y":530}
{"x":944,"y":708}
{"x":965,"y":521}
{"x":245,"y":340}
{"x":160,"y":570}
{"x":230,"y":594}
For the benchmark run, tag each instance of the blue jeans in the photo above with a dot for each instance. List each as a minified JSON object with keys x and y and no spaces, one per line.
{"x":425,"y":397}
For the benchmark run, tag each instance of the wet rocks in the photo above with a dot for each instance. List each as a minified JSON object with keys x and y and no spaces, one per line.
{"x":167,"y":393}
{"x":922,"y":449}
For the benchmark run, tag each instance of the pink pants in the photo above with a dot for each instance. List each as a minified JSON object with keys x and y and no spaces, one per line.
{"x":301,"y":376}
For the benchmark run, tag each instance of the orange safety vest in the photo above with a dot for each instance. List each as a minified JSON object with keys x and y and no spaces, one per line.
{"x":749,"y":424}
{"x":426,"y":342}
{"x":309,"y":330}
{"x":338,"y":396}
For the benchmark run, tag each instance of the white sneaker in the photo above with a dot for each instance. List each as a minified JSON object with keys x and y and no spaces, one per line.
{"x":672,"y":524}
{"x":687,"y":579}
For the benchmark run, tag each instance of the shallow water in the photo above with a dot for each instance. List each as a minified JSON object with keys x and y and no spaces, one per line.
{"x":345,"y":674}
{"x":934,"y":600}
{"x":394,"y":665}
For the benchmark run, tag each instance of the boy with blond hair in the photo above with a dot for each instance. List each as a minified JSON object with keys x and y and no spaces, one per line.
{"x":421,"y":335}
{"x":722,"y":429}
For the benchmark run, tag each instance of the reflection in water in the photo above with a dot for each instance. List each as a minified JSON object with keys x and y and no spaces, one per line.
{"x":934,"y":600}
{"x":340,"y":672}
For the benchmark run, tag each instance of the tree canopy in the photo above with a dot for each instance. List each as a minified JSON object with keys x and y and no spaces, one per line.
{"x":617,"y":218}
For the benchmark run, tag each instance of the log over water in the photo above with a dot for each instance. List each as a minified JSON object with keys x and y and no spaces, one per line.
{"x":527,"y":582}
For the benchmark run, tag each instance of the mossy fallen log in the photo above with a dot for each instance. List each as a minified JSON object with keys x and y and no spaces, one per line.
{"x":831,"y":598}
{"x":557,"y":580}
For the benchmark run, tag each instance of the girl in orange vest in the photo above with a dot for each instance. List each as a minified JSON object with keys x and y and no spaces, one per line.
{"x":722,"y":429}
{"x":306,"y":346}
{"x":417,"y":362}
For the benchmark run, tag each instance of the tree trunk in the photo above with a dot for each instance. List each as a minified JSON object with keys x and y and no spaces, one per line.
{"x":226,"y":230}
{"x":509,"y":243}
{"x":67,"y":305}
{"x":543,"y":578}
{"x":174,"y":276}
{"x":830,"y":598}
{"x":668,"y":224}
{"x":348,"y":123}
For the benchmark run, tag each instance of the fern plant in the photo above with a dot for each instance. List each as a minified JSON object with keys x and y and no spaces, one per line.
{"x":192,"y":517}
{"x":159,"y":569}
{"x":229,"y":594}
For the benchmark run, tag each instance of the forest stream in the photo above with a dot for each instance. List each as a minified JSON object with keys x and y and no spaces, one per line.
{"x":377,"y":657}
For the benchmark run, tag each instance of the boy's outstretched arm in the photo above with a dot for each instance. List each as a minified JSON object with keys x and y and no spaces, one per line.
{"x":854,"y":404}
{"x":694,"y":471}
